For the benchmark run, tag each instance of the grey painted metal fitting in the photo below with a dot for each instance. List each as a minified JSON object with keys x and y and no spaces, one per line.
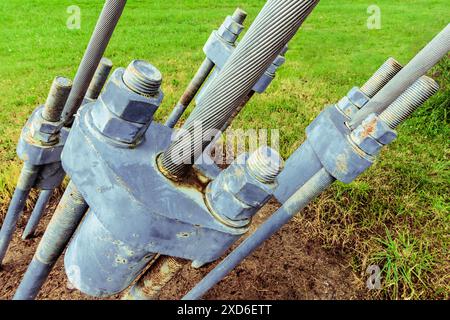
{"x":36,"y":152}
{"x":373,"y":128}
{"x":217,"y":49}
{"x":56,"y":99}
{"x":245,"y":186}
{"x":230,"y":30}
{"x":268,"y":76}
{"x":128,"y":103}
{"x":43,"y":131}
{"x":125,"y":226}
{"x":352,"y":102}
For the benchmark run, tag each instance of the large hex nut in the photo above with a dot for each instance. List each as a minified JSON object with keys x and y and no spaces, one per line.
{"x":41,"y":130}
{"x":113,"y":127}
{"x":232,"y":25}
{"x":357,"y":97}
{"x":236,"y":193}
{"x":365,"y":142}
{"x":246,"y":187}
{"x":217,"y":49}
{"x":127,"y":104}
{"x":379,"y":129}
{"x":38,"y":154}
{"x":263,"y":83}
{"x":225,"y":203}
{"x":352,"y":102}
{"x":230,"y":30}
{"x":347,"y":107}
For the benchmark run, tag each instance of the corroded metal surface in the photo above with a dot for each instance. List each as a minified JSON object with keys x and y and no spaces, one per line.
{"x":150,"y":285}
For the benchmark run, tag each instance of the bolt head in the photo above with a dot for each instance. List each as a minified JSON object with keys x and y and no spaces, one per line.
{"x":127,"y":104}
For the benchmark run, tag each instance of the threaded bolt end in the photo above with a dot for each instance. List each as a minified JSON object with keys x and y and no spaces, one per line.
{"x":380,"y":78}
{"x":57,"y":97}
{"x":239,"y":16}
{"x":409,"y":101}
{"x":265,"y":164}
{"x":143,"y":78}
{"x":100,"y":77}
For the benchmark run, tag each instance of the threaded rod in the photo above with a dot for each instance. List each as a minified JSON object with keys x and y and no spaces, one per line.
{"x":417,"y":67}
{"x":239,"y":15}
{"x":149,"y":286}
{"x":190,"y":92}
{"x":409,"y":101}
{"x":143,"y":78}
{"x":96,"y":48}
{"x":99,"y":79}
{"x":265,"y":164}
{"x":57,"y":97}
{"x":63,"y":224}
{"x":381,"y":77}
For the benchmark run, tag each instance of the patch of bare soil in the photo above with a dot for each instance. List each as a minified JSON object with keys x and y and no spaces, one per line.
{"x":290,"y":265}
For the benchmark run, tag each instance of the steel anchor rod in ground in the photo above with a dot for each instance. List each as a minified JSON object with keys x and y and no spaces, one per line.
{"x":26,"y":181}
{"x":393,"y":116}
{"x":36,"y":215}
{"x":52,"y":110}
{"x":97,"y":83}
{"x":67,"y":216}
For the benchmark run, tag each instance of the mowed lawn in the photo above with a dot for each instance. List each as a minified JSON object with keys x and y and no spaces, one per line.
{"x":396,"y":215}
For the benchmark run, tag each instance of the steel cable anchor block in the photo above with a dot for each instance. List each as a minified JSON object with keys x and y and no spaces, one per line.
{"x":126,"y":226}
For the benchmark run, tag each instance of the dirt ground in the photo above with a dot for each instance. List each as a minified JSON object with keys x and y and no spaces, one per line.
{"x":291,"y":265}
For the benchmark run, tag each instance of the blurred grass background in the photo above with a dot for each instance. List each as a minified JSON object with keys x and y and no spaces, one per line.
{"x":396,"y":215}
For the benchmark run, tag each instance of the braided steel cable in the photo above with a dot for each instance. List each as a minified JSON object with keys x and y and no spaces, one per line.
{"x":276,"y":24}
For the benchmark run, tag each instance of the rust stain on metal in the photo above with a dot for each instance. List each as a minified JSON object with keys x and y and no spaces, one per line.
{"x":163,"y":270}
{"x":369,"y":128}
{"x":342,"y":163}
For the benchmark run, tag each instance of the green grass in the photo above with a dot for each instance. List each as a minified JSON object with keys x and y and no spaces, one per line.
{"x":396,"y":214}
